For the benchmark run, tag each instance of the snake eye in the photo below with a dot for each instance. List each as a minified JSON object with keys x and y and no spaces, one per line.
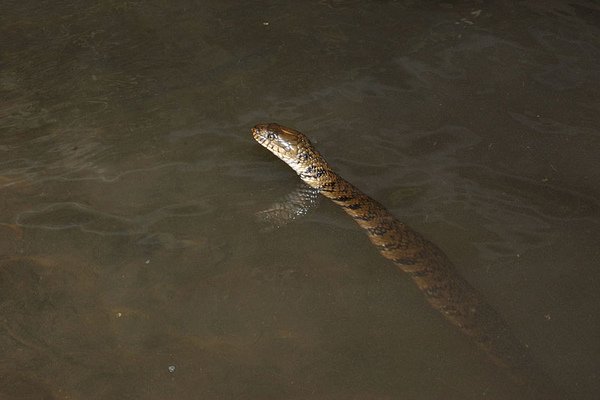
{"x":271,"y":136}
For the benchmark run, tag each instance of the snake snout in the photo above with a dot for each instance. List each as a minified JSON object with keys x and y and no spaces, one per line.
{"x":258,"y":132}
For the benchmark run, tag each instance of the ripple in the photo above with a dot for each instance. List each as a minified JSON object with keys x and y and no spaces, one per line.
{"x":73,"y":215}
{"x":70,"y":215}
{"x":547,"y":125}
{"x":542,"y":198}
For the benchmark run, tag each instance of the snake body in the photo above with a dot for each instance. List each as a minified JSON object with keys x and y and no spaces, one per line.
{"x":430,"y":269}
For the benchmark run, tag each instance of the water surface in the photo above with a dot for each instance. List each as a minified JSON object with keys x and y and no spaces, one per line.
{"x":132,"y":264}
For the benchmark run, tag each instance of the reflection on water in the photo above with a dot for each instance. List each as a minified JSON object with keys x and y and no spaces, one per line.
{"x":132,"y":264}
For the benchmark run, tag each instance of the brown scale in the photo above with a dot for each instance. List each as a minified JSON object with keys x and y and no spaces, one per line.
{"x":444,"y":288}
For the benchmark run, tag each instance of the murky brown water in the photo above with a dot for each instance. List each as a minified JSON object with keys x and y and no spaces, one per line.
{"x":132,"y":264}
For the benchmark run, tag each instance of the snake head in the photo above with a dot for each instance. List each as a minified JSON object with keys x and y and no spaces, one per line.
{"x":278,"y":139}
{"x":292,"y":147}
{"x":286,"y":143}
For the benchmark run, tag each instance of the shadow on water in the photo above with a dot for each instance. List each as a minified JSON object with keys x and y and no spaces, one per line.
{"x":132,"y":264}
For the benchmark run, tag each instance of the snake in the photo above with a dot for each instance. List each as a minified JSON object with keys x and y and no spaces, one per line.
{"x":435,"y":276}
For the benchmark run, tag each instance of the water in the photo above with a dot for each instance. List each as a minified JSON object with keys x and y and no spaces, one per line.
{"x":132,"y":264}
